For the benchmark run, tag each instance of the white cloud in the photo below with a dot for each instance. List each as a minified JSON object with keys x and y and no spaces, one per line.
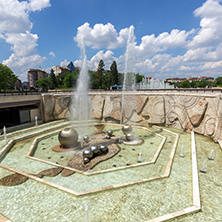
{"x":210,"y":33}
{"x":64,"y":63}
{"x":23,"y":44}
{"x":15,"y":29}
{"x":20,"y":64}
{"x":101,"y":36}
{"x":14,"y":17}
{"x":35,"y":5}
{"x":200,"y":49}
{"x":52,"y":54}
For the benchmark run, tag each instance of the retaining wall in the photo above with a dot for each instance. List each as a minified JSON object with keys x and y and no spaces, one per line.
{"x":200,"y":112}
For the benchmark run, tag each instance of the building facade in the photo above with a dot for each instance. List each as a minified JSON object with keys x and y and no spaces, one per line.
{"x":34,"y":75}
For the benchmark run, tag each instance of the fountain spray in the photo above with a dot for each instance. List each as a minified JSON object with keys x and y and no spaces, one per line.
{"x":5,"y":134}
{"x":80,"y":99}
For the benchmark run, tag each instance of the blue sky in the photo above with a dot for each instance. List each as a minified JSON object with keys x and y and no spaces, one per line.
{"x":171,"y":38}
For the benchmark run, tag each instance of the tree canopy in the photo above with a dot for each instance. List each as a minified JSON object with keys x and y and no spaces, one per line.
{"x":100,"y":70}
{"x":98,"y":79}
{"x":43,"y":83}
{"x":113,"y":79}
{"x":7,"y":77}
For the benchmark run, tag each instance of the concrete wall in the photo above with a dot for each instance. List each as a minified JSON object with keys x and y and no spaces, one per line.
{"x":19,"y":100}
{"x":201,"y":113}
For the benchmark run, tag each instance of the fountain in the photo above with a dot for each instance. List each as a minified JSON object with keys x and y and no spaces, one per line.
{"x":36,"y":121}
{"x":140,"y":157}
{"x":90,"y":164}
{"x":80,"y":100}
{"x":211,"y":155}
{"x":181,"y":152}
{"x":5,"y":134}
{"x":203,"y":170}
{"x":86,"y":212}
{"x":169,"y":139}
{"x":150,"y":83}
{"x":130,"y":138}
{"x":129,"y":78}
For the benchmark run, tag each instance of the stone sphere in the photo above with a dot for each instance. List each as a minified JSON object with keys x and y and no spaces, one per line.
{"x":110,"y":132}
{"x":87,"y":153}
{"x":95,"y":149}
{"x":86,"y":160}
{"x":68,"y":137}
{"x":86,"y":138}
{"x":127,"y":129}
{"x":129,"y":136}
{"x":104,"y":148}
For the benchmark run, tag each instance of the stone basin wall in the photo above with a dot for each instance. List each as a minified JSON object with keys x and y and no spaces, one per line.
{"x":201,"y":113}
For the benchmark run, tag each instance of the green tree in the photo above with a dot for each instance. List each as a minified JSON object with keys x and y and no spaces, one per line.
{"x":43,"y":83}
{"x":106,"y":80}
{"x":94,"y":84}
{"x":60,"y":79}
{"x":100,"y":70}
{"x":53,"y":83}
{"x":113,"y":78}
{"x":218,"y":81}
{"x":185,"y":84}
{"x":7,"y":77}
{"x":139,"y":78}
{"x":70,"y":79}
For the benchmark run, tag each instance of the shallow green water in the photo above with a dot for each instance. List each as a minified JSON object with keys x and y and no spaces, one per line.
{"x":34,"y":201}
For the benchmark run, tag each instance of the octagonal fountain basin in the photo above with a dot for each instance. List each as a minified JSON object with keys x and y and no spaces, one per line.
{"x":39,"y":184}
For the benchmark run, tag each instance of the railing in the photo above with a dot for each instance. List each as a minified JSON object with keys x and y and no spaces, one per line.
{"x":20,"y":93}
{"x":198,"y":90}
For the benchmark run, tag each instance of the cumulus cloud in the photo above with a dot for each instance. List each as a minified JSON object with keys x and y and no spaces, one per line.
{"x":101,"y":36}
{"x":52,"y":54}
{"x":64,"y":63}
{"x":15,"y":29}
{"x":35,"y":5}
{"x":20,"y":64}
{"x":23,"y":44}
{"x":158,"y":55}
{"x":14,"y":17}
{"x":210,"y":33}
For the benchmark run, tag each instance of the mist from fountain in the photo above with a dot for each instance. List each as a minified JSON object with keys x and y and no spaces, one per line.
{"x":153,"y":84}
{"x":129,"y":82}
{"x":5,"y":134}
{"x":80,"y":98}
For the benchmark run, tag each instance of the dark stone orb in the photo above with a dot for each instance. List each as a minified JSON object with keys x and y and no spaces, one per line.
{"x":87,"y":153}
{"x":104,"y":148}
{"x":95,"y":149}
{"x":86,"y":160}
{"x":86,"y":138}
{"x":110,"y":133}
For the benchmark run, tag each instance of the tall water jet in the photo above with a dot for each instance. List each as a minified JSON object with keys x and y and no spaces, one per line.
{"x":129,"y":78}
{"x":80,"y":98}
{"x":5,"y":134}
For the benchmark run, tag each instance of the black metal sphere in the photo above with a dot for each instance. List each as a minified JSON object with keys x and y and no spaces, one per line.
{"x":127,"y":129}
{"x":68,"y":137}
{"x":87,"y":153}
{"x":129,"y":136}
{"x":86,"y":160}
{"x":110,"y":132}
{"x":95,"y":149}
{"x":86,"y":138}
{"x":103,"y":148}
